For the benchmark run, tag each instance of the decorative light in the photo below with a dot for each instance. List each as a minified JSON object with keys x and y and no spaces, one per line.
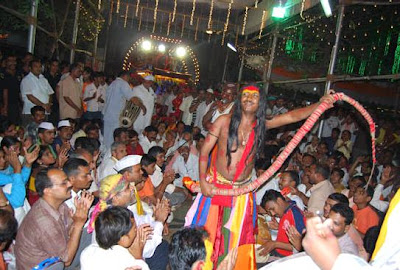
{"x":230,"y":46}
{"x":209,"y":24}
{"x":146,"y":45}
{"x":279,"y":12}
{"x":262,"y":23}
{"x":180,"y":52}
{"x":155,"y":16}
{"x":174,"y":11}
{"x":161,"y":48}
{"x":137,"y":7}
{"x":169,"y":23}
{"x":244,"y":20}
{"x":126,"y":15}
{"x":327,"y":8}
{"x":193,"y":10}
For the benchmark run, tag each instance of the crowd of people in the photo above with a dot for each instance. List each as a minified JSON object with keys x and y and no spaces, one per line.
{"x":80,"y":189}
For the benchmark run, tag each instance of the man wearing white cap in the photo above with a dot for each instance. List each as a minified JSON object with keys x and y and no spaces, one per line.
{"x":46,"y":134}
{"x":118,"y":93}
{"x":203,"y":108}
{"x":64,"y":135}
{"x":146,"y":94}
{"x":130,"y":168}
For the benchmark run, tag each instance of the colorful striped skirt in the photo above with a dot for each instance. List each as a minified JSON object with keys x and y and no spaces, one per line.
{"x":228,"y":227}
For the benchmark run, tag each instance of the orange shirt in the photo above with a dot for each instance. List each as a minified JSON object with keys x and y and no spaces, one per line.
{"x":147,"y":190}
{"x":365,"y":218}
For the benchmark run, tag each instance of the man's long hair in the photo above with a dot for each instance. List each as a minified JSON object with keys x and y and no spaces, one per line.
{"x":260,"y":128}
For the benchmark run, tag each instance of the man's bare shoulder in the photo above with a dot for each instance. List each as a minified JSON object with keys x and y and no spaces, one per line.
{"x":223,"y":120}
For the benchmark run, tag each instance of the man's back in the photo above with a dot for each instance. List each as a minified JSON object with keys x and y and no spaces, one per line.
{"x":43,"y":233}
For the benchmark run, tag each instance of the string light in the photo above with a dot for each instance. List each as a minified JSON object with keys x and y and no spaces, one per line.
{"x":183,"y":25}
{"x":169,"y":23}
{"x":244,"y":20}
{"x":209,"y":25}
{"x":174,"y":11}
{"x":126,"y":15}
{"x":118,"y":6}
{"x":193,"y":10}
{"x":111,"y":12}
{"x":137,"y":7}
{"x":140,"y":18}
{"x":155,"y":16}
{"x":197,"y":28}
{"x":226,"y":22}
{"x":255,"y":4}
{"x":262,"y":24}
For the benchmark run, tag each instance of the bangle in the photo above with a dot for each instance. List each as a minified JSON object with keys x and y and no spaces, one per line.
{"x":4,"y":204}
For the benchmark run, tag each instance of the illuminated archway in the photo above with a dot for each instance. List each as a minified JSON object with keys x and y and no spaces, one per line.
{"x":167,"y":58}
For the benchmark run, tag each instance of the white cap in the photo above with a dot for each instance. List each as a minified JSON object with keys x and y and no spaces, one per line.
{"x":64,"y":123}
{"x":127,"y":162}
{"x":46,"y":125}
{"x":209,"y":90}
{"x":149,"y":78}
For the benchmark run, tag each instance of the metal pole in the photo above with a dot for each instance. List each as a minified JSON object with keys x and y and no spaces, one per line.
{"x":96,"y":38}
{"x":242,"y":61}
{"x":333,"y":59}
{"x":334,"y":49}
{"x":226,"y":64}
{"x":75,"y":31}
{"x":32,"y":26}
{"x":268,"y":69}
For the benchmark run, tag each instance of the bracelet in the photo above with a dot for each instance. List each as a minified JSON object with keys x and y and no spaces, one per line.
{"x":4,"y":204}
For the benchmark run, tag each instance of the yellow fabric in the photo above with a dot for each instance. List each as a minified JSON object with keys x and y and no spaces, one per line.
{"x":139,"y":206}
{"x":208,"y":265}
{"x":237,"y":219}
{"x":381,"y":136}
{"x":383,"y":232}
{"x":32,"y":184}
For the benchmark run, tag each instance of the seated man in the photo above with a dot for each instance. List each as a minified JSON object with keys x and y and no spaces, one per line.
{"x":163,"y":181}
{"x":289,"y":179}
{"x":342,"y":217}
{"x":106,"y":168}
{"x":148,"y":139}
{"x":48,"y":229}
{"x":133,"y":147}
{"x":186,"y":165}
{"x":289,"y":214}
{"x":191,"y":249}
{"x":118,"y":242}
{"x":365,"y":216}
{"x":116,"y":191}
{"x":64,"y":135}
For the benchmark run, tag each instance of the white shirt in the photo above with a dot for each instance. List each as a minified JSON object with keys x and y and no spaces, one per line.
{"x":148,"y":99}
{"x":38,"y":87}
{"x":202,"y":109}
{"x":93,"y":105}
{"x":102,"y":90}
{"x":106,"y":168}
{"x":168,"y":102}
{"x":329,"y":124}
{"x":117,"y":257}
{"x":185,"y":106}
{"x":217,"y":113}
{"x":190,"y":169}
{"x":146,"y":144}
{"x":271,"y":184}
{"x":156,"y":237}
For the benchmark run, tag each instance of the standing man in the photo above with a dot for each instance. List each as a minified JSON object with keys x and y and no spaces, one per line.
{"x":53,"y":77}
{"x":10,"y":81}
{"x":70,"y":95}
{"x":238,"y":140}
{"x":203,"y":108}
{"x":35,"y":91}
{"x":93,"y":98}
{"x":118,"y":93}
{"x":146,"y":94}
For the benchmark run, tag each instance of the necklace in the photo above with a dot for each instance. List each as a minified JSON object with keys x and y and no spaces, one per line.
{"x":244,"y":140}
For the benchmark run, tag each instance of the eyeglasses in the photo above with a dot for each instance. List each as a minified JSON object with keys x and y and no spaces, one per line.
{"x":63,"y":183}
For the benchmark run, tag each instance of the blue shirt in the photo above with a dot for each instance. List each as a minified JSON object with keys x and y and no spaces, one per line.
{"x":18,"y":181}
